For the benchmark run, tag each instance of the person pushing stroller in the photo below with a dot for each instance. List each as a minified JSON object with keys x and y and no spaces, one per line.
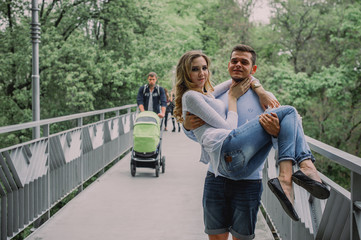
{"x":151,"y":96}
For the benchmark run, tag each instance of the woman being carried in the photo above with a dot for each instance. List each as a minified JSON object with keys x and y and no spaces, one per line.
{"x":221,"y":137}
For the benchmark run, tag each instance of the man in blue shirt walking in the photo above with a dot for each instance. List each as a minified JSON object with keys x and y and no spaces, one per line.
{"x":151,"y":97}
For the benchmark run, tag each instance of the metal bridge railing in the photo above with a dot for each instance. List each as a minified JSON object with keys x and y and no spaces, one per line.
{"x":338,"y":217}
{"x":36,"y":175}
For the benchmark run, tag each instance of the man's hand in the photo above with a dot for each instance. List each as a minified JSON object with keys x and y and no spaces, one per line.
{"x":267,"y":101}
{"x":141,"y":107}
{"x":270,"y":123}
{"x":192,"y":122}
{"x":162,"y":112}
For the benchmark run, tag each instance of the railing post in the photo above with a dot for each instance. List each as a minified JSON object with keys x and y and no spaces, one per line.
{"x":80,"y":122}
{"x":355,"y":206}
{"x":81,"y":187}
{"x":46,"y":216}
{"x":46,"y":130}
{"x":102,"y":117}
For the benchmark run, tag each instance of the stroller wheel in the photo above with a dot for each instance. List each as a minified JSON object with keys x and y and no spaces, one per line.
{"x":157,"y":170}
{"x":133,"y":169}
{"x":163,"y":164}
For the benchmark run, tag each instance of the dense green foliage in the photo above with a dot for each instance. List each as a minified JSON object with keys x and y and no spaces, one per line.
{"x":95,"y":54}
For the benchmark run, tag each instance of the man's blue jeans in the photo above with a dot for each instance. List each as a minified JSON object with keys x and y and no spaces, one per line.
{"x":240,"y":148}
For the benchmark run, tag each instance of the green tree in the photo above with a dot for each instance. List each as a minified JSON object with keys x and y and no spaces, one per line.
{"x":296,"y":23}
{"x":224,"y":24}
{"x":15,"y":63}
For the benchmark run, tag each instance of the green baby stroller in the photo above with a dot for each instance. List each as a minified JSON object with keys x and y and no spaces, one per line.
{"x":147,"y":141}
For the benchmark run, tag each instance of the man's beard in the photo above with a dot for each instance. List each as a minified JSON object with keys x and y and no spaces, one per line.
{"x":241,"y":79}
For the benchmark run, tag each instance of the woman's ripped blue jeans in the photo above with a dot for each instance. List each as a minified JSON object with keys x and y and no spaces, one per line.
{"x":241,"y":147}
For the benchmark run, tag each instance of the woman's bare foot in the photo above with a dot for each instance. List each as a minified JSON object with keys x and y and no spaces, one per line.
{"x":309,"y":169}
{"x":308,"y":178}
{"x":282,"y":189}
{"x":286,"y":184}
{"x":285,"y":179}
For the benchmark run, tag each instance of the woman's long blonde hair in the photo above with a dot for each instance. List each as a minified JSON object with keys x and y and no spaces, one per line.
{"x":183,"y":80}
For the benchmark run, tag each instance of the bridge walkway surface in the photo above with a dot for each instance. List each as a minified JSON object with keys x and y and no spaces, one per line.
{"x":121,"y":207}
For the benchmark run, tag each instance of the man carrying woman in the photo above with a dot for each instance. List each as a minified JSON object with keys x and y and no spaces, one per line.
{"x":236,"y":138}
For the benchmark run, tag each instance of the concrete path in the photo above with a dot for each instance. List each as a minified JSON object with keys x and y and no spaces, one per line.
{"x":121,"y":207}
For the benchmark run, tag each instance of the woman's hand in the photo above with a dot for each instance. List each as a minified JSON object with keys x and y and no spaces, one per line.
{"x":237,"y":89}
{"x":267,"y":101}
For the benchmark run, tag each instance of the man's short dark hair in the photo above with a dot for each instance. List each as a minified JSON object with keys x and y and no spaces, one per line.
{"x":246,"y":48}
{"x":152,"y":74}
